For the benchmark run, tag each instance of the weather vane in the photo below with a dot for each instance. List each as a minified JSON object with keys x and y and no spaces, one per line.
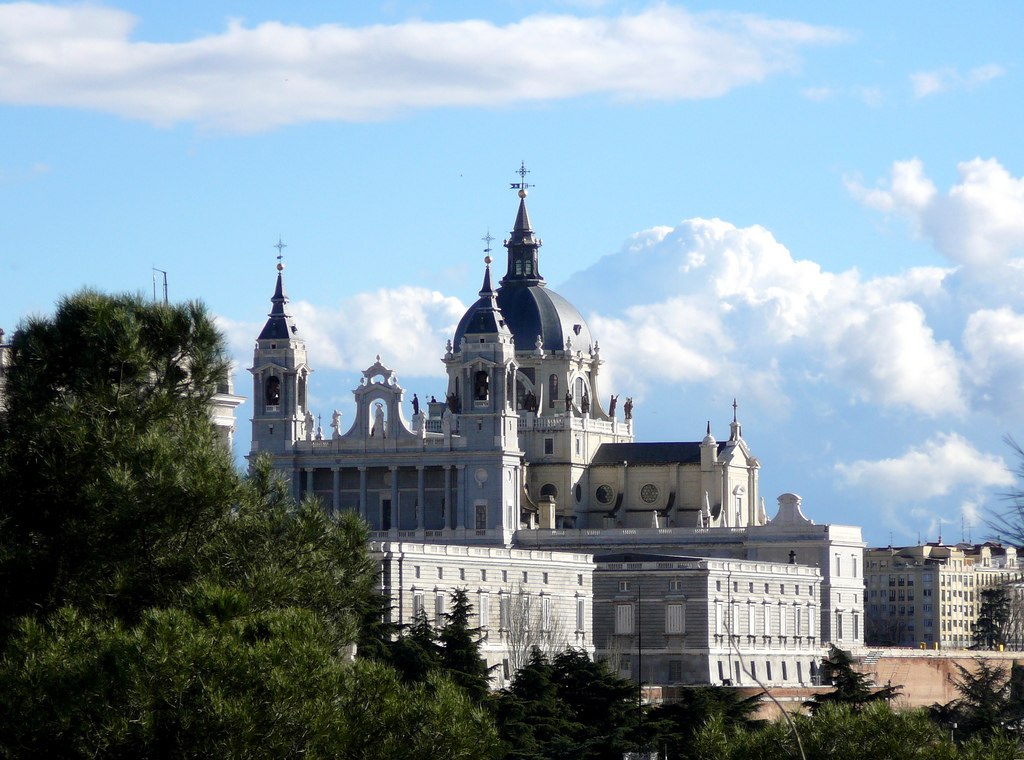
{"x":487,"y":239}
{"x":280,"y":246}
{"x":522,"y":185}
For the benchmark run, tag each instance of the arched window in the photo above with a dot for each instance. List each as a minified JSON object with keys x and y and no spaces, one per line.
{"x":302,"y":391}
{"x":552,"y":390}
{"x":481,"y":385}
{"x":549,"y":489}
{"x":273,"y":391}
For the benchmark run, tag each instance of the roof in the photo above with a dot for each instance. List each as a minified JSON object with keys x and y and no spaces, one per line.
{"x":683,"y":452}
{"x":532,"y":309}
{"x":644,"y":557}
{"x":279,"y":326}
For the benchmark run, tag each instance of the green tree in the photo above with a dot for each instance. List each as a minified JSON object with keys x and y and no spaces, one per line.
{"x":986,"y":704}
{"x":111,"y":473}
{"x":155,"y":602}
{"x":993,"y":616}
{"x":851,"y":688}
{"x":567,"y":707}
{"x":673,"y":725}
{"x":461,"y":647}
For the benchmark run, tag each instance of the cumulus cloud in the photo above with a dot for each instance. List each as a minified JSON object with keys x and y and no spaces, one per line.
{"x":926,"y":83}
{"x":978,"y":222}
{"x":707,"y":299}
{"x":943,"y":464}
{"x":258,"y":77}
{"x":407,"y":326}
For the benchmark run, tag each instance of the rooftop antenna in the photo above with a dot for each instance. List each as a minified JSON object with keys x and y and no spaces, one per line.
{"x":161,"y":271}
{"x":963,"y":528}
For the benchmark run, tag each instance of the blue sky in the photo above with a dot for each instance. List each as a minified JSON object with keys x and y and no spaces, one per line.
{"x":816,"y":208}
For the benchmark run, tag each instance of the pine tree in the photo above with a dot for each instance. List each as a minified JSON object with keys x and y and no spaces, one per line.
{"x":461,"y":648}
{"x":993,"y":616}
{"x":850,"y":687}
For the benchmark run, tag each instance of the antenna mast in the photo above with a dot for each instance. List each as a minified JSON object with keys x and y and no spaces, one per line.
{"x":161,"y":271}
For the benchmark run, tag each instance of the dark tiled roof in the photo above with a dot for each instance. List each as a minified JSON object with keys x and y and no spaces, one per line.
{"x":682,"y":452}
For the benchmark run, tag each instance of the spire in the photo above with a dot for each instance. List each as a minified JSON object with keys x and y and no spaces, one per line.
{"x":279,"y":326}
{"x":735,"y":429}
{"x":486,"y":316}
{"x":523,"y":244}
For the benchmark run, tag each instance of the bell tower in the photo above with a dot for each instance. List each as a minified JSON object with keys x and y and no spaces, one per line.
{"x":280,"y":378}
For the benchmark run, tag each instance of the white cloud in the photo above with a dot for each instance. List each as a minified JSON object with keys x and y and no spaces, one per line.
{"x":709,"y":300}
{"x":943,"y":464}
{"x":978,"y":222}
{"x":407,"y":326}
{"x":250,"y":78}
{"x":926,"y":83}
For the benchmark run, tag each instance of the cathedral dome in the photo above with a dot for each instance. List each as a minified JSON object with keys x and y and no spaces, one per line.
{"x":528,"y":307}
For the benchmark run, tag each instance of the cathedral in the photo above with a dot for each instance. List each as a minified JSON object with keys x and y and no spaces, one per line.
{"x":527,"y":469}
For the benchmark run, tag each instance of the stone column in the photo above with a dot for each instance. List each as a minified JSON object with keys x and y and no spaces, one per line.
{"x":309,"y":481}
{"x":395,"y":511}
{"x":362,"y":492}
{"x":336,"y":486}
{"x":460,"y":496}
{"x":420,"y":503}
{"x":447,"y":495}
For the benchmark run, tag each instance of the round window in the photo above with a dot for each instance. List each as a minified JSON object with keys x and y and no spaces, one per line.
{"x":649,"y":493}
{"x":605,"y":494}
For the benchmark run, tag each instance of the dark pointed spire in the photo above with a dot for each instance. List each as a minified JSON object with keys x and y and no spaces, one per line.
{"x":279,"y":326}
{"x":485,"y":316}
{"x":523,"y":265}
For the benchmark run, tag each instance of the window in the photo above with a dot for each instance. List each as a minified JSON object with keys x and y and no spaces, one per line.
{"x":623,"y":585}
{"x":839,"y":569}
{"x":549,"y":490}
{"x":674,"y":618}
{"x":416,"y":570}
{"x":649,"y":493}
{"x":718,"y":618}
{"x":767,"y":620}
{"x":481,"y":517}
{"x":768,"y":667}
{"x":581,"y":615}
{"x":481,"y":385}
{"x":782,"y":620}
{"x":549,"y":445}
{"x":545,"y":577}
{"x":462,"y":573}
{"x":545,"y":613}
{"x":440,"y":573}
{"x":797,"y":621}
{"x":417,"y":604}
{"x":273,"y":391}
{"x":504,"y":611}
{"x":484,"y":608}
{"x":552,"y":393}
{"x":579,"y":579}
{"x":438,"y":607}
{"x":810,"y":621}
{"x":624,"y":618}
{"x":675,"y":671}
{"x":526,"y":576}
{"x":504,"y":576}
{"x":839,"y":625}
{"x":605,"y":494}
{"x":785,"y":675}
{"x":734,"y":619}
{"x":675,"y":585}
{"x":751,"y":620}
{"x":853,"y":565}
{"x":483,"y":575}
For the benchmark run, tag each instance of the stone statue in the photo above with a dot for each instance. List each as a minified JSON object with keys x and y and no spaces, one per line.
{"x":453,"y":403}
{"x":627,"y":408}
{"x":585,"y":403}
{"x":611,"y":406}
{"x":415,"y":405}
{"x":378,"y":421}
{"x":336,"y":424}
{"x":309,"y":425}
{"x":568,"y":401}
{"x":446,"y":422}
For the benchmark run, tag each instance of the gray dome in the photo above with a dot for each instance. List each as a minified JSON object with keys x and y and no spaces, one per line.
{"x":530,"y":310}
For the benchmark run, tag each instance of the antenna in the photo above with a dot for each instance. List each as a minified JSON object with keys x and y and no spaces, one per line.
{"x":161,"y":271}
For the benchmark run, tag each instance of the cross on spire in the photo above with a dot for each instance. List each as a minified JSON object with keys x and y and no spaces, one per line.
{"x":280,"y":246}
{"x":487,"y":239}
{"x":522,"y":185}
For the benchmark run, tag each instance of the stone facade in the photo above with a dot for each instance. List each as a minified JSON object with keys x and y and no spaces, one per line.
{"x":521,"y":599}
{"x":667,"y":619}
{"x":521,"y":451}
{"x":930,"y":595}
